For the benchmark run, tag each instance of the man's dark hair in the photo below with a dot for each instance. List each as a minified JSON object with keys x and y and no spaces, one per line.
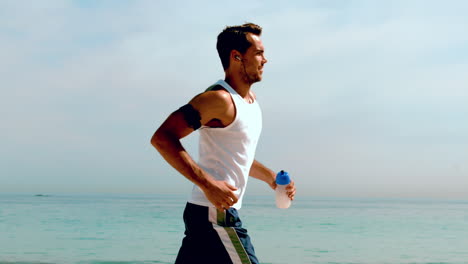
{"x":235,"y":38}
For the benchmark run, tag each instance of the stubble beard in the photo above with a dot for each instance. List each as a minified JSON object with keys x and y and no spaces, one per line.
{"x":250,"y":78}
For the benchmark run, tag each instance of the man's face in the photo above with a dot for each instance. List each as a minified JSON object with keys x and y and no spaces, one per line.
{"x":253,"y":60}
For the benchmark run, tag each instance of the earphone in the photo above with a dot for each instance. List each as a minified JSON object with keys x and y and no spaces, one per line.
{"x":237,"y":58}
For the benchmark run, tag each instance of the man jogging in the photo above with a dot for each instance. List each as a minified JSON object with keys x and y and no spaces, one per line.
{"x":229,"y":121}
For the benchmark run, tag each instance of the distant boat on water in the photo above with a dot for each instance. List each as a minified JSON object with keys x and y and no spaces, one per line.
{"x":42,"y":195}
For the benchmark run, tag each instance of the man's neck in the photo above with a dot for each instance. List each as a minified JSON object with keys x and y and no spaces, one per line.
{"x":238,"y":84}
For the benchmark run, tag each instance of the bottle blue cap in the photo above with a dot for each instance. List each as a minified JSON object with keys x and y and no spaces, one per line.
{"x":282,"y":178}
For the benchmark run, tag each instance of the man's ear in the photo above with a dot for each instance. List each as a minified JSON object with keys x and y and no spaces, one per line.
{"x":236,"y":55}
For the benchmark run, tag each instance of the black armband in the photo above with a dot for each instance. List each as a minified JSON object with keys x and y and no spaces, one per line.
{"x":191,"y":116}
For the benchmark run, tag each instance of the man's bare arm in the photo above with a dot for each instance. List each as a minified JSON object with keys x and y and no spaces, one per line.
{"x":167,"y":137}
{"x":167,"y":141}
{"x":261,"y":172}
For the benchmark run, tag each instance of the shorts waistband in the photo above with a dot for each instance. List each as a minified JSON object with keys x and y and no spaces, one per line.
{"x":226,"y":218}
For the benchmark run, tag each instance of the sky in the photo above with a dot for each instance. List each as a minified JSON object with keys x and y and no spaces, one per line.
{"x":359,"y":98}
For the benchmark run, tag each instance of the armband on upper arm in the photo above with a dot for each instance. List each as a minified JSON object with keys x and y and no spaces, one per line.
{"x":191,"y":116}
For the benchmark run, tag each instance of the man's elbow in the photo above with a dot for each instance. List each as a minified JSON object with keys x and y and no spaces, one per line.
{"x":157,"y":139}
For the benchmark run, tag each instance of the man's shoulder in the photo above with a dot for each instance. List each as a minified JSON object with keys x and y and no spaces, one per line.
{"x":217,"y":92}
{"x":215,"y":87}
{"x":214,"y":96}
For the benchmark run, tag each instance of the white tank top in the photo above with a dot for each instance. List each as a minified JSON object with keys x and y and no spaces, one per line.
{"x":228,"y":153}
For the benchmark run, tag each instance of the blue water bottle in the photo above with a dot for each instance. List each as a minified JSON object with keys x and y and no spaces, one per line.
{"x":282,"y":199}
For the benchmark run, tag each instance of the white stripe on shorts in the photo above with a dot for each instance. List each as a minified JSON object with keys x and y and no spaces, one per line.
{"x":228,"y":237}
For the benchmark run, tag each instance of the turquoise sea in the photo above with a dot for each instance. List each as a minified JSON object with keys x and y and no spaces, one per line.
{"x":106,"y":229}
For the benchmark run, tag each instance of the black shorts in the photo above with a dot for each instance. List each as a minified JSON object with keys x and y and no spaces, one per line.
{"x":216,"y":237}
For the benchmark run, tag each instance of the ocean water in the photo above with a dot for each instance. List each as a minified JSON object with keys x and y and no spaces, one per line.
{"x":107,"y":229}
